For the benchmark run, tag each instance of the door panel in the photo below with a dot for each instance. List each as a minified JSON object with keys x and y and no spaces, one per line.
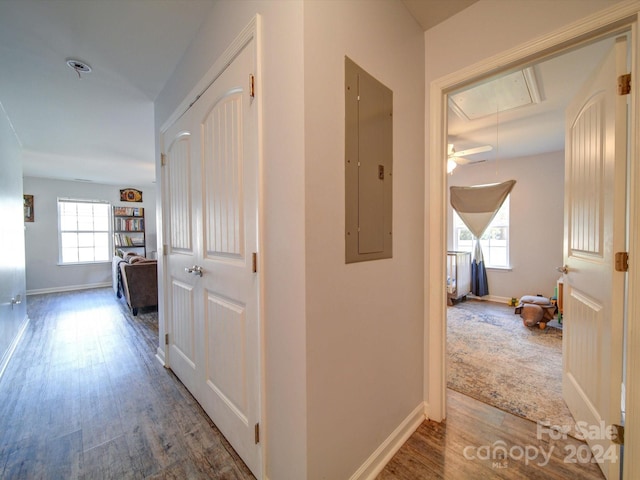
{"x":595,"y":206}
{"x":226,"y":365}
{"x":179,"y":192}
{"x":587,"y":181}
{"x":224,"y":203}
{"x":183,"y":328}
{"x":583,"y":342}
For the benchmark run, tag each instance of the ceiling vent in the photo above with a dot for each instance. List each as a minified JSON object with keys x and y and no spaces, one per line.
{"x":79,"y":66}
{"x":507,"y":92}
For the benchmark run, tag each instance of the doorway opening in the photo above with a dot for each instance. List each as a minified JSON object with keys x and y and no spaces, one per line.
{"x":511,"y":126}
{"x":618,"y":22}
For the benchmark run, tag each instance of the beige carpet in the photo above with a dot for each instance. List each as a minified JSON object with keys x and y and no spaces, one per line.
{"x":494,"y":358}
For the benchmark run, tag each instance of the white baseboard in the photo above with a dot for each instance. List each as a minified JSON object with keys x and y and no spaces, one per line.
{"x":426,"y":410}
{"x":378,"y":459}
{"x":491,"y":298}
{"x":160,"y":356}
{"x":69,"y":288}
{"x":12,"y":348}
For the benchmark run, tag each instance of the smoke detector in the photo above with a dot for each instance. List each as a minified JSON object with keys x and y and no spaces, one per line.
{"x":79,"y":66}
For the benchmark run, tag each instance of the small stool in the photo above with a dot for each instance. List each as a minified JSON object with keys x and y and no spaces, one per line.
{"x":535,"y":310}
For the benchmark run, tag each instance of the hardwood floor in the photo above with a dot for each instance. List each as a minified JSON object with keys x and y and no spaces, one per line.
{"x":466,"y":446}
{"x":84,"y":397}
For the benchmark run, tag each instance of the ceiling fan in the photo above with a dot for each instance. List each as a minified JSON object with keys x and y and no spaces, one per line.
{"x":458,"y":158}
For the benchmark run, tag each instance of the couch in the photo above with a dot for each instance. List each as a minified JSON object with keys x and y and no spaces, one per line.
{"x":136,"y":278}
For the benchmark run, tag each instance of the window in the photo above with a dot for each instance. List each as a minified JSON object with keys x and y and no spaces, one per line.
{"x":494,"y":241}
{"x":83,"y":227}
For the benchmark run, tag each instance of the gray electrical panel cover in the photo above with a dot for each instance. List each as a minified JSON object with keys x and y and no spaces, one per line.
{"x":368,"y":166}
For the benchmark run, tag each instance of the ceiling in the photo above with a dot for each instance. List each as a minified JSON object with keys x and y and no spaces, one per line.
{"x":537,"y":128}
{"x":96,"y":127}
{"x":429,"y":13}
{"x":525,"y":131}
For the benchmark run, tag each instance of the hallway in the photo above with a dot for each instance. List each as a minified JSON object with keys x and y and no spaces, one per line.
{"x":85,"y":397}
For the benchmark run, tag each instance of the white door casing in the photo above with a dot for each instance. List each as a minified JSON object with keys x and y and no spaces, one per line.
{"x":211,"y":213}
{"x":595,"y":213}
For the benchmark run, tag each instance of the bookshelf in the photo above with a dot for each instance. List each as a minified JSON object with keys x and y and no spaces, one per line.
{"x":128,"y":230}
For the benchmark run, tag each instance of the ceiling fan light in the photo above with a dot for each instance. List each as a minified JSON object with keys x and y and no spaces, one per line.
{"x":450,"y":149}
{"x":451,"y":165}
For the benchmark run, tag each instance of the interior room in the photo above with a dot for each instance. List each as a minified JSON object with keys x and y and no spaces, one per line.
{"x":511,"y":126}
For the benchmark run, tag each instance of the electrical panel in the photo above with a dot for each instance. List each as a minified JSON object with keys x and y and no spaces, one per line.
{"x":368,"y":166}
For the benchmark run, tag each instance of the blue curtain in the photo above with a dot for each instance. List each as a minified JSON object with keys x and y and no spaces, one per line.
{"x":479,"y":283}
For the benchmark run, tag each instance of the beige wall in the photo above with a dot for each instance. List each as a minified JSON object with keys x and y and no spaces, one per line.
{"x":364,"y":320}
{"x":12,"y":261}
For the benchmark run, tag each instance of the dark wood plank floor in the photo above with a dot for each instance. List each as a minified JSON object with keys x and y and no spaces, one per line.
{"x":84,"y":397}
{"x":467,"y":446}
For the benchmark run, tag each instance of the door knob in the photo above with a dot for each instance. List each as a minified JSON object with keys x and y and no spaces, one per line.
{"x":563,"y":269}
{"x":195,"y":270}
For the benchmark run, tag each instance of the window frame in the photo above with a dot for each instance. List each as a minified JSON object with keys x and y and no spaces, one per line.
{"x":458,"y":226}
{"x":78,"y":230}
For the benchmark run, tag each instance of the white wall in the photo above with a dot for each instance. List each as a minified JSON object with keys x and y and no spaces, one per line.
{"x":41,"y":237}
{"x":536,"y":221}
{"x":283,"y":201}
{"x":12,"y":263}
{"x":364,"y":320}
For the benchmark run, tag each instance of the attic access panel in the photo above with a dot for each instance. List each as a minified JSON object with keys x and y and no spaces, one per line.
{"x":368,"y":166}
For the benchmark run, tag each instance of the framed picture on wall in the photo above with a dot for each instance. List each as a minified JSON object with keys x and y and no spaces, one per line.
{"x":130,"y":195}
{"x":28,"y":208}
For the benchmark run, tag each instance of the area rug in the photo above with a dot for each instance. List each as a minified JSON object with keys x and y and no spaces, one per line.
{"x":494,"y":358}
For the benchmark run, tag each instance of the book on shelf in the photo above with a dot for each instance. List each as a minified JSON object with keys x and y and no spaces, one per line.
{"x":123,"y":240}
{"x":128,"y":211}
{"x":129,"y":224}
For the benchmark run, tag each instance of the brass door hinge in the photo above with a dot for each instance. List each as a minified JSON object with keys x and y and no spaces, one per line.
{"x":624,"y":84}
{"x":166,"y":339}
{"x":252,"y":86}
{"x":163,"y":159}
{"x":622,"y":262}
{"x":618,"y":438}
{"x":254,"y":262}
{"x":256,"y":431}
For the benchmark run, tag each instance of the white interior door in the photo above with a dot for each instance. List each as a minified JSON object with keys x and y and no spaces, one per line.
{"x":595,"y":203}
{"x":211,"y":170}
